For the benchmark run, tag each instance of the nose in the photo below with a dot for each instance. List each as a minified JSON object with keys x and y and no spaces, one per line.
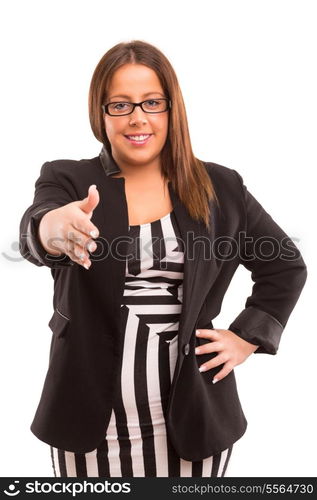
{"x":138,"y":114}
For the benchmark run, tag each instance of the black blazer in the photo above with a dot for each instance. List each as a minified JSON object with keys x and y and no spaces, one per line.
{"x":202,"y":418}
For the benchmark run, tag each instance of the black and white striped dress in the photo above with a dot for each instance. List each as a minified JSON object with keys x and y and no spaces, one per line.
{"x":136,"y":442}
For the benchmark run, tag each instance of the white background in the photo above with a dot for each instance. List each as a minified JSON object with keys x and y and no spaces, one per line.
{"x":247,"y":70}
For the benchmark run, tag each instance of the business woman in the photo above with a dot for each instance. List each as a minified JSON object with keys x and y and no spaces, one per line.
{"x":142,"y":242}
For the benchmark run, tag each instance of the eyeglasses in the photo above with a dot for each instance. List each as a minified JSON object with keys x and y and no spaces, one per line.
{"x":126,"y":108}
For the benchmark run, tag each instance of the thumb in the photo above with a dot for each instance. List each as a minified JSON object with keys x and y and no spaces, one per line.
{"x":89,"y":203}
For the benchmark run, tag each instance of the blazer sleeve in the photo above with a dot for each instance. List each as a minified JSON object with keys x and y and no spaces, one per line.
{"x":279,"y":274}
{"x":49,"y":194}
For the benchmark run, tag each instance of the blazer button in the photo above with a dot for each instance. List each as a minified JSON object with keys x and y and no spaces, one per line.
{"x":186,"y":349}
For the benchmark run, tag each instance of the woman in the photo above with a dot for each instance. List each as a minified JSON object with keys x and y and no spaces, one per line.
{"x":132,"y":389}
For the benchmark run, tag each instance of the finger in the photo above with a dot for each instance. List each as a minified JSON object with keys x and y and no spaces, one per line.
{"x":80,"y":253}
{"x":85,"y":227}
{"x":207,"y":333}
{"x":89,"y":203}
{"x":81,"y":240}
{"x":216,"y":361}
{"x":77,"y":251}
{"x":209,"y":347}
{"x":84,"y":262}
{"x":227,"y":368}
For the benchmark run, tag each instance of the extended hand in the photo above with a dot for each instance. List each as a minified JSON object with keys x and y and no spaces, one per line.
{"x":233,"y":350}
{"x":68,"y":229}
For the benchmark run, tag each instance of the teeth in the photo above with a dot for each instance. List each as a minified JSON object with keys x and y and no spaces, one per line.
{"x":138,"y":137}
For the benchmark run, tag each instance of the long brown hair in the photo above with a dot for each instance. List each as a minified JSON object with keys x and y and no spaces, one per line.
{"x":187,"y":174}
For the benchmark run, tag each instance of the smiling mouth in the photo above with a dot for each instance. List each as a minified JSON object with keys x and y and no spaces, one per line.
{"x":138,"y":139}
{"x":138,"y":136}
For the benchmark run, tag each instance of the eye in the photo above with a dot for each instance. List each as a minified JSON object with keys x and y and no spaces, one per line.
{"x":151,"y":101}
{"x":119,"y":106}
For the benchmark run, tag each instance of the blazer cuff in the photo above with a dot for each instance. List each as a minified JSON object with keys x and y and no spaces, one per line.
{"x":258,"y":327}
{"x":35,"y":247}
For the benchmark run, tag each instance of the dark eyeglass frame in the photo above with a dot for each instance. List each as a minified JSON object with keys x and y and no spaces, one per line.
{"x":106,"y":109}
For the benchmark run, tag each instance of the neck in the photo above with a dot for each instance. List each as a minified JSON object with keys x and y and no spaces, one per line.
{"x":140,"y":173}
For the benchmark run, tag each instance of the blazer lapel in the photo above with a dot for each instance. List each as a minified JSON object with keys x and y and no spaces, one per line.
{"x":200,"y":267}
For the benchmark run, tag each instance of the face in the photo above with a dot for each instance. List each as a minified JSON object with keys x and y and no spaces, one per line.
{"x":135,"y":83}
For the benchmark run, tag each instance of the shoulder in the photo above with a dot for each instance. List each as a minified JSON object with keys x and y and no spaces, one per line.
{"x":70,"y":174}
{"x":67,"y":166}
{"x":225,"y":180}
